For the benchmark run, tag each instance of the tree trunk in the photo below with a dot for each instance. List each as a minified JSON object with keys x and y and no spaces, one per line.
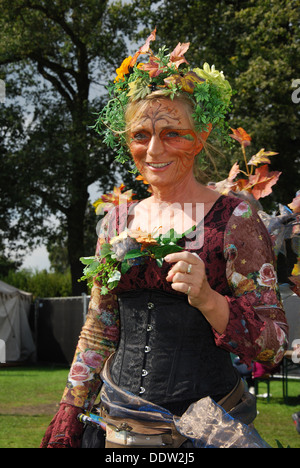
{"x":76,"y":246}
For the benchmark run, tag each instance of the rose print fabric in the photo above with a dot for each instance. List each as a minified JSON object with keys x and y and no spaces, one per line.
{"x":240,"y":265}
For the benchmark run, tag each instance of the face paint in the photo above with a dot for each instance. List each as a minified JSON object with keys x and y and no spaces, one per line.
{"x":162,"y":143}
{"x":183,"y":143}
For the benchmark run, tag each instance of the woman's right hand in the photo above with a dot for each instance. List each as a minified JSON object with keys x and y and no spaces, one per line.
{"x":64,"y":431}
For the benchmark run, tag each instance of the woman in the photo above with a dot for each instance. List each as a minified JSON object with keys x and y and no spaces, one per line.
{"x":179,"y":320}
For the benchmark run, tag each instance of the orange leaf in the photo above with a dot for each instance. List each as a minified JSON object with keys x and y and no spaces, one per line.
{"x":152,"y":67}
{"x":295,"y":204}
{"x":144,"y":49}
{"x":241,"y":136}
{"x":261,"y":182}
{"x":234,"y":171}
{"x":177,"y":56}
{"x":140,"y":177}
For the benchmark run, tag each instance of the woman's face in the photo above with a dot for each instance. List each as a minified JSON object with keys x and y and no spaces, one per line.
{"x":163,"y":143}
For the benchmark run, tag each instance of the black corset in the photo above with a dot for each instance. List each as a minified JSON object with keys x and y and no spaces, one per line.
{"x":167,"y":351}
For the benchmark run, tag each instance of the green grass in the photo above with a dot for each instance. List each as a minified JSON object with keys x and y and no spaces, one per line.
{"x":29,"y":398}
{"x":274,"y":421}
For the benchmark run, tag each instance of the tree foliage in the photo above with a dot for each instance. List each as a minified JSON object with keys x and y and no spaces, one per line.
{"x":256,"y":44}
{"x":57,"y":51}
{"x":55,"y":58}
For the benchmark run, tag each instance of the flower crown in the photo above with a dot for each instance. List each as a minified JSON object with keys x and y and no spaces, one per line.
{"x":207,"y":87}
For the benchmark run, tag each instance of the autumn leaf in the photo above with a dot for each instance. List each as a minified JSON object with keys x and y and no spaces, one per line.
{"x":227,"y":185}
{"x":152,"y":67}
{"x":224,"y":186}
{"x":177,"y":56}
{"x":295,"y":204}
{"x":261,"y":157}
{"x":144,"y":49}
{"x":187,"y":82}
{"x":261,"y":181}
{"x":234,"y":171}
{"x":241,"y":136}
{"x":296,"y":287}
{"x":140,"y":177}
{"x":107,"y":201}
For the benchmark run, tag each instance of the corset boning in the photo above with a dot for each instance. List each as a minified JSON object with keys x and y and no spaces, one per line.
{"x":167,"y":351}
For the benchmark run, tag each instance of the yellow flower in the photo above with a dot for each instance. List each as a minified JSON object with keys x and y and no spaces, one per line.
{"x":124,"y":69}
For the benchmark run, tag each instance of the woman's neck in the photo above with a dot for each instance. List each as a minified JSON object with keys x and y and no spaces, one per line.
{"x":186,"y":191}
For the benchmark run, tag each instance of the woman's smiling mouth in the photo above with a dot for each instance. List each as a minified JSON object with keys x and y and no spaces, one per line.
{"x":158,"y":165}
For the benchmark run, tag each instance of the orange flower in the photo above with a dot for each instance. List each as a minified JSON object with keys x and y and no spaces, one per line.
{"x":241,"y":136}
{"x":146,"y":240}
{"x":124,"y":69}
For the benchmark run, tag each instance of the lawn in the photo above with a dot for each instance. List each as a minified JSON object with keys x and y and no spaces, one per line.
{"x":30,"y":397}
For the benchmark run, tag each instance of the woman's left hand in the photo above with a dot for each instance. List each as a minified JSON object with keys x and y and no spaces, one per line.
{"x":188,"y":276}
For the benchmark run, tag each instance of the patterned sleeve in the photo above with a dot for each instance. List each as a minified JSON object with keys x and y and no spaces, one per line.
{"x":98,"y":339}
{"x":257,"y":328}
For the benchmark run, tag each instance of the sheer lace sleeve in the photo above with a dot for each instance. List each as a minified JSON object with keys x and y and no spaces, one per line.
{"x":257,"y":328}
{"x":98,"y":339}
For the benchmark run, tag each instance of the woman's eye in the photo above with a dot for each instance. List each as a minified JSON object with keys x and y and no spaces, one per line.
{"x":140,"y":136}
{"x":172,"y":134}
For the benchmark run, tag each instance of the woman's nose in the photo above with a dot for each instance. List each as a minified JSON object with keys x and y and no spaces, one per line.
{"x":155,"y":146}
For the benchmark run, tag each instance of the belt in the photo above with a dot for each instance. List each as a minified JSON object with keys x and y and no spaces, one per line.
{"x":233,"y":397}
{"x":129,"y":433}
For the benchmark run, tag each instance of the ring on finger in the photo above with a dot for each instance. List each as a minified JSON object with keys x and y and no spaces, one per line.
{"x":189,"y":290}
{"x":189,"y":269}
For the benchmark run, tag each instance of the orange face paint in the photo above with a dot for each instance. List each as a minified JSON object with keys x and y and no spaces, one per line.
{"x":162,"y":143}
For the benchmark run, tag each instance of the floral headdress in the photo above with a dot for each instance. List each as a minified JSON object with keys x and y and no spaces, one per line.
{"x":207,"y":87}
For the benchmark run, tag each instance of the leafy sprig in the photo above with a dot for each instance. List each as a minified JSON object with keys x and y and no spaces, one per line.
{"x":110,"y":265}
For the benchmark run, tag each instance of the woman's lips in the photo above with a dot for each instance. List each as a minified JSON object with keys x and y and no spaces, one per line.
{"x":158,"y":166}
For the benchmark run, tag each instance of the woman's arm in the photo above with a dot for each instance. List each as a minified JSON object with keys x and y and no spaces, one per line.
{"x":250,"y":322}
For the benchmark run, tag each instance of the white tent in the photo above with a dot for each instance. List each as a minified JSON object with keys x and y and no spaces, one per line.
{"x":14,"y":326}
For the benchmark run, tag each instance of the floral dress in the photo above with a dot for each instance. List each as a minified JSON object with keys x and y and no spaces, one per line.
{"x":240,"y":265}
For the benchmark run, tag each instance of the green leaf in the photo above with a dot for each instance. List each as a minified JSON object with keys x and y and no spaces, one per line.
{"x":105,"y":250}
{"x":125,"y":267}
{"x":104,"y":290}
{"x":134,"y":253}
{"x":87,"y":260}
{"x":163,"y":250}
